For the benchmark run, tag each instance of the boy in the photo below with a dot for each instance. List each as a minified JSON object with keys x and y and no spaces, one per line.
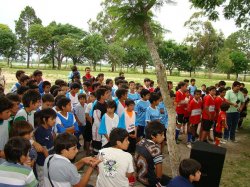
{"x":127,"y":121}
{"x":14,"y":88}
{"x":122,"y":95}
{"x":100,"y":78}
{"x":243,"y":113}
{"x":133,"y":95}
{"x":14,"y":98}
{"x":2,"y":79}
{"x":59,"y":171}
{"x":116,"y":166}
{"x":189,"y":170}
{"x":99,"y":109}
{"x":37,"y":75}
{"x":5,"y":112}
{"x":109,"y":121}
{"x":47,"y":101}
{"x":194,"y":109}
{"x":152,"y":112}
{"x":203,"y":90}
{"x":12,"y":171}
{"x":221,"y":123}
{"x":46,"y":87}
{"x":65,"y":121}
{"x":208,"y":113}
{"x":140,"y":110}
{"x":147,"y":85}
{"x":79,"y":113}
{"x":73,"y":94}
{"x":31,"y":101}
{"x":192,"y":87}
{"x":148,"y":152}
{"x":180,"y":104}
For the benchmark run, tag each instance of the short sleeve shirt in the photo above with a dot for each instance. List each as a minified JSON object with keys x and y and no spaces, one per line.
{"x":180,"y":99}
{"x":210,"y":103}
{"x":232,"y":97}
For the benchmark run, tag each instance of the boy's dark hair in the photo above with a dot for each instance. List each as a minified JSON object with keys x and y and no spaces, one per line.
{"x":119,"y":81}
{"x":185,"y":80}
{"x":189,"y":167}
{"x":74,"y":68}
{"x":86,"y":83}
{"x":15,"y":148}
{"x":120,"y":92}
{"x":59,"y":82}
{"x":31,"y":82}
{"x":181,"y":84}
{"x":95,"y":85}
{"x":53,"y":88}
{"x":92,"y":93}
{"x":144,"y":92}
{"x":99,"y":93}
{"x":45,"y":114}
{"x":204,"y":85}
{"x":19,"y":73}
{"x":48,"y":98}
{"x":46,"y":83}
{"x":24,"y":78}
{"x":55,"y":92}
{"x":31,"y":96}
{"x":221,"y":89}
{"x":62,"y":102}
{"x":244,"y":90}
{"x":33,"y":87}
{"x":6,"y":104}
{"x":192,"y":80}
{"x":211,"y":88}
{"x":22,"y":89}
{"x":87,"y":68}
{"x":37,"y":72}
{"x":108,"y":81}
{"x":154,"y":128}
{"x":111,"y":104}
{"x":129,"y":102}
{"x":57,"y":98}
{"x":20,"y":128}
{"x":236,"y":83}
{"x":13,"y":97}
{"x":106,"y":87}
{"x":154,"y":97}
{"x":138,"y":85}
{"x":80,"y":96}
{"x":117,"y":134}
{"x":131,"y":82}
{"x":169,"y":82}
{"x":224,"y":106}
{"x":100,"y":75}
{"x":197,"y":91}
{"x":125,"y":86}
{"x":242,"y":84}
{"x":222,"y":83}
{"x":75,"y":85}
{"x":64,"y":141}
{"x":146,"y":80}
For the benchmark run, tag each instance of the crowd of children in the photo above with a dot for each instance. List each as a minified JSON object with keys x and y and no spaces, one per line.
{"x":42,"y":125}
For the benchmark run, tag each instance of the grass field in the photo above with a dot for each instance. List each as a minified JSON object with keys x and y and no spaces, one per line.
{"x":237,"y":164}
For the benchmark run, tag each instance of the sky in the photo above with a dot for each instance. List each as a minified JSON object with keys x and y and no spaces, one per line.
{"x":78,"y":13}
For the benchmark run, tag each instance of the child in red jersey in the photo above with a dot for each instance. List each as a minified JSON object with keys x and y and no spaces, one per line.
{"x":221,"y":122}
{"x":208,"y":113}
{"x":180,"y":103}
{"x":194,"y":109}
{"x":188,"y":99}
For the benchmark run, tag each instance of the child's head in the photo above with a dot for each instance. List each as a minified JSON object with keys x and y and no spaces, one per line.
{"x":16,"y":150}
{"x":66,"y":145}
{"x":64,"y":88}
{"x":212,"y":90}
{"x":145,"y":94}
{"x":154,"y":98}
{"x":152,"y":83}
{"x":82,"y":98}
{"x":47,"y":117}
{"x":46,"y":86}
{"x":109,"y":82}
{"x":182,"y":86}
{"x":119,"y":138}
{"x":121,"y":94}
{"x":102,"y":94}
{"x":147,"y":82}
{"x":75,"y":87}
{"x":57,"y":98}
{"x":192,"y":81}
{"x":21,"y":90}
{"x":222,"y":91}
{"x":64,"y":104}
{"x":37,"y":74}
{"x":131,"y":85}
{"x":74,"y":68}
{"x":92,"y":97}
{"x":100,"y":77}
{"x":197,"y":94}
{"x":130,"y":104}
{"x":138,"y":88}
{"x":186,"y":81}
{"x":244,"y":91}
{"x":190,"y":169}
{"x":19,"y":73}
{"x":170,"y":85}
{"x":242,"y":85}
{"x":31,"y":99}
{"x":21,"y":128}
{"x":24,"y":80}
{"x":86,"y":86}
{"x":203,"y":87}
{"x":155,"y":131}
{"x":111,"y":106}
{"x":95,"y":86}
{"x":222,"y":84}
{"x":119,"y":83}
{"x":224,"y":106}
{"x":59,"y":82}
{"x":47,"y":101}
{"x":121,"y":74}
{"x":5,"y":108}
{"x":87,"y":70}
{"x":15,"y":99}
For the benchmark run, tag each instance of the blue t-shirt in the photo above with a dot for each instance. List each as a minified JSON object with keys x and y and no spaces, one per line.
{"x":45,"y":138}
{"x":134,"y":96}
{"x":192,"y":89}
{"x":40,"y":86}
{"x":140,"y":110}
{"x":152,"y":114}
{"x":66,"y":122}
{"x":180,"y":181}
{"x":163,"y":113}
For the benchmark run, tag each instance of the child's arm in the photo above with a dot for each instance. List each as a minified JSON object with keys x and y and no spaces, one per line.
{"x":107,"y":137}
{"x":88,"y":117}
{"x":70,"y":130}
{"x":78,"y":121}
{"x":158,"y":170}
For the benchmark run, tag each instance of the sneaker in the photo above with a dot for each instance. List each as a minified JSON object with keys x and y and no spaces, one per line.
{"x":189,"y":145}
{"x":223,"y":141}
{"x":234,"y":141}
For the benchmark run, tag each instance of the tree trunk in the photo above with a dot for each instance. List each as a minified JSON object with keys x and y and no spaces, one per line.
{"x":144,"y":68}
{"x":94,"y":66}
{"x":228,"y":76}
{"x":8,"y":61}
{"x":53,"y":56}
{"x":112,"y":67}
{"x":245,"y":75}
{"x":237,"y":76}
{"x":39,"y":56}
{"x":162,"y":78}
{"x":170,"y":71}
{"x":28,"y":57}
{"x":190,"y":73}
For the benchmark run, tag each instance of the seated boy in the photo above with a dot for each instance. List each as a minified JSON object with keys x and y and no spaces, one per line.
{"x":59,"y":171}
{"x":12,"y":171}
{"x":149,"y":157}
{"x":189,"y":170}
{"x":117,"y":165}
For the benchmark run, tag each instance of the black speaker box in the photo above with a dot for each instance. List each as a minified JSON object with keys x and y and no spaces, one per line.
{"x":211,"y":158}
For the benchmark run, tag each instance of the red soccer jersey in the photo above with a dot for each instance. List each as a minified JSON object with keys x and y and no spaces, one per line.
{"x":188,"y":99}
{"x":218,"y":101}
{"x":210,"y":104}
{"x":220,"y":126}
{"x":194,"y":109}
{"x":180,"y":102}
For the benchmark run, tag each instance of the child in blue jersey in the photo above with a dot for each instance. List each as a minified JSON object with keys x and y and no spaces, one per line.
{"x":122,"y":95}
{"x":38,"y":76}
{"x":46,"y":87}
{"x":140,"y":110}
{"x":109,"y":121}
{"x":152,"y":112}
{"x":73,"y":94}
{"x":127,"y":121}
{"x":133,"y":95}
{"x":17,"y":85}
{"x":65,"y":120}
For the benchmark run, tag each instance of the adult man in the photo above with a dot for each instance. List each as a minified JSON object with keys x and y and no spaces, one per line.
{"x":88,"y":77}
